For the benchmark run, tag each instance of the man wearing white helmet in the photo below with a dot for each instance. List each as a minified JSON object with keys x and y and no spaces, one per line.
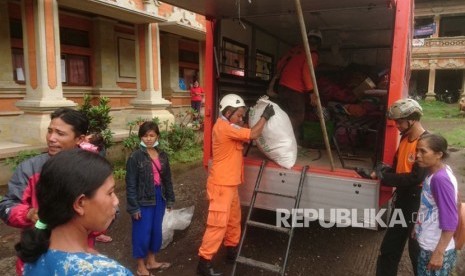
{"x":295,"y":82}
{"x":224,"y":212}
{"x":407,"y":177}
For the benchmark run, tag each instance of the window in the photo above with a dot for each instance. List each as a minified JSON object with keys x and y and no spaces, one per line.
{"x":16,"y":29}
{"x":234,"y":58}
{"x":18,"y":65}
{"x":424,"y":27}
{"x":187,"y":76}
{"x":75,"y":70}
{"x":188,"y":63}
{"x":74,"y":37}
{"x":17,"y":53}
{"x":76,"y":54}
{"x":188,"y":56}
{"x":263,"y":65}
{"x":452,"y":26}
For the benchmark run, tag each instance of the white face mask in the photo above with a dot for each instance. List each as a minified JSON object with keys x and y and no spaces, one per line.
{"x":144,"y":145}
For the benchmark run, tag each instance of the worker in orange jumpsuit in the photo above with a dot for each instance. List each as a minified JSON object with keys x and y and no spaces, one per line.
{"x":295,"y":88}
{"x":226,"y":173}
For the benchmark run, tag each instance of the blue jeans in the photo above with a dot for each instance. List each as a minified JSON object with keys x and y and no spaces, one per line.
{"x":146,"y":232}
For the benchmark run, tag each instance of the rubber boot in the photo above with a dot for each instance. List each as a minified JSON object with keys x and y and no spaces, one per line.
{"x":205,"y":268}
{"x":231,"y":254}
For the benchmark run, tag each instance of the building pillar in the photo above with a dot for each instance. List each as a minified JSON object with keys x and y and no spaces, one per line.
{"x":6,"y":63}
{"x":463,"y":84}
{"x":201,"y":72}
{"x":104,"y":54}
{"x":437,"y":20}
{"x":201,"y":62}
{"x":149,"y":102}
{"x":430,"y":95}
{"x":44,"y":92}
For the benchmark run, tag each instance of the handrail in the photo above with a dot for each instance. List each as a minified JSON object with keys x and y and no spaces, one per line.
{"x":458,"y":41}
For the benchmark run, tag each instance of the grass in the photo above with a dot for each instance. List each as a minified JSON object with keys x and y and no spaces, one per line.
{"x":433,"y":110}
{"x":444,"y":119}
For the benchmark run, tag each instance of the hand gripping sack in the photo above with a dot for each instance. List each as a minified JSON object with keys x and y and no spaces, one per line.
{"x":277,"y":141}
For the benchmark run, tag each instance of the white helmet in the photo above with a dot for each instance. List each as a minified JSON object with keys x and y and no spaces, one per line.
{"x":315,"y":33}
{"x":404,"y":108}
{"x":232,"y":100}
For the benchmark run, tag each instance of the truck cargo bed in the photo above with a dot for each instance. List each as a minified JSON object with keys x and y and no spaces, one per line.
{"x":319,"y":158}
{"x":324,"y":190}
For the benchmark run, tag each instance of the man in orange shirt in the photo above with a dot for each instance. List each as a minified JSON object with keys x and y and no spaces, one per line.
{"x":295,"y":82}
{"x":224,"y":212}
{"x":407,"y":177}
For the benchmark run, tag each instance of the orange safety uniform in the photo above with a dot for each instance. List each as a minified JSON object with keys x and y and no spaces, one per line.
{"x":226,"y":173}
{"x":406,"y":155}
{"x":296,"y":73}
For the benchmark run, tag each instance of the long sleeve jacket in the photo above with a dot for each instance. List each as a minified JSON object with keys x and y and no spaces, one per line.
{"x":21,"y":195}
{"x":139,"y":180}
{"x":405,"y":182}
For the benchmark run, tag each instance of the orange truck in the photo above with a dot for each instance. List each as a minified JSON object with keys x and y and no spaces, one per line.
{"x":244,"y":41}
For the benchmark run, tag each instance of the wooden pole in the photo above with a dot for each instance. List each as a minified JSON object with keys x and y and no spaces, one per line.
{"x":308,"y":54}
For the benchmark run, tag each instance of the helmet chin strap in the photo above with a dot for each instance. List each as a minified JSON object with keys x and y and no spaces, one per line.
{"x":232,"y":113}
{"x":408,"y":128}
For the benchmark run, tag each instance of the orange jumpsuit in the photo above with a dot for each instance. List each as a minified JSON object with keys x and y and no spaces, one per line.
{"x":226,"y":173}
{"x":296,"y":74}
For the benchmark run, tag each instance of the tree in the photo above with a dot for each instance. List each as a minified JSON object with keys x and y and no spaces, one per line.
{"x":99,"y":117}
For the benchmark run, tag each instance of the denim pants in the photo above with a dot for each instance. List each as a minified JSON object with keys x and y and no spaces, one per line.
{"x":147,"y":231}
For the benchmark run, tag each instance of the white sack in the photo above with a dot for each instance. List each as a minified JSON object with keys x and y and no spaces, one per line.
{"x":277,"y":141}
{"x":175,"y":220}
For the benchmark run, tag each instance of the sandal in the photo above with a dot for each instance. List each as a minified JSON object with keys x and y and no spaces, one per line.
{"x":103,"y":238}
{"x":140,"y":274}
{"x":162,"y":266}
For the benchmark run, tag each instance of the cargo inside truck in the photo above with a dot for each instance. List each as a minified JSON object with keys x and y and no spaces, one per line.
{"x":363,"y":67}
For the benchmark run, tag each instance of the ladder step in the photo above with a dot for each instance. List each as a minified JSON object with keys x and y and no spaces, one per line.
{"x":275,"y":194}
{"x":268,"y":226}
{"x":258,"y":264}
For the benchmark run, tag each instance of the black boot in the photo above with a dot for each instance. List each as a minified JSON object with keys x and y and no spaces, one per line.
{"x":205,"y":268}
{"x":231,"y":254}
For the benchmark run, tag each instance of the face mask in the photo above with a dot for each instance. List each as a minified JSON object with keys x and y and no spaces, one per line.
{"x":144,"y":145}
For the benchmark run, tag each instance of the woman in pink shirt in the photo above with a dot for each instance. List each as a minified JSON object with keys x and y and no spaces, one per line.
{"x":196,"y":97}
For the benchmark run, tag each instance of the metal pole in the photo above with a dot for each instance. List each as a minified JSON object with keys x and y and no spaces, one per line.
{"x":303,"y":32}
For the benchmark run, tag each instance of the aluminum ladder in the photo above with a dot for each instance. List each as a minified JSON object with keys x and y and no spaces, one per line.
{"x":248,"y":222}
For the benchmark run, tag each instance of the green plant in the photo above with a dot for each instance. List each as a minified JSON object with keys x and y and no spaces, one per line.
{"x":99,"y":117}
{"x":179,"y":140}
{"x":13,"y":162}
{"x":119,"y":173}
{"x":132,"y":141}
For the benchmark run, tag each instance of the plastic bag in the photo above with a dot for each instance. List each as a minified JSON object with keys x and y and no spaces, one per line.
{"x":277,"y":140}
{"x":177,"y":219}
